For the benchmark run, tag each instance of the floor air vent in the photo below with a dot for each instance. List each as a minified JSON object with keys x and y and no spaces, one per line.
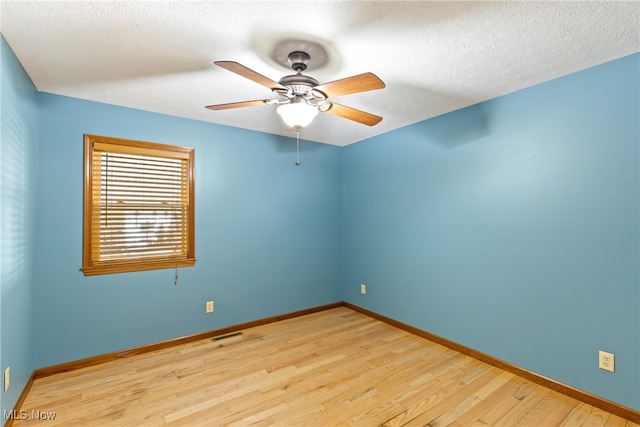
{"x":223,"y":340}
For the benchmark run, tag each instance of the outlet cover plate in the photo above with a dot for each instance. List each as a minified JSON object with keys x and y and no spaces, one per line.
{"x":606,"y":361}
{"x":7,"y":378}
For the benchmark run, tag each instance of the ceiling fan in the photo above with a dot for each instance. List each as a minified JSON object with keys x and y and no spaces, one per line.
{"x":302,"y":96}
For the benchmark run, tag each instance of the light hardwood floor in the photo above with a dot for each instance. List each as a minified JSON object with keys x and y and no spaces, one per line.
{"x":336,"y":367}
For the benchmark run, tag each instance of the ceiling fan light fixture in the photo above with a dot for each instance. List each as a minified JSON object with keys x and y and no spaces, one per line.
{"x":297,"y":114}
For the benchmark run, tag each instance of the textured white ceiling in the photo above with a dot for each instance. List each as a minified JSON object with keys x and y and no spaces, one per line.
{"x":434,"y":57}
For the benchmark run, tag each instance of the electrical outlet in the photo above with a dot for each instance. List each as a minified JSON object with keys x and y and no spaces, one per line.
{"x":606,"y":361}
{"x":7,"y":378}
{"x":209,"y":308}
{"x":363,"y":289}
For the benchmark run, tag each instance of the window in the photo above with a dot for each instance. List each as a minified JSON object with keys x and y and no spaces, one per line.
{"x":138,"y":206}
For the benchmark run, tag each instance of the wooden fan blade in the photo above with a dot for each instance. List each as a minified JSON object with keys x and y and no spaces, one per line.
{"x":248,"y":73}
{"x":354,"y":84}
{"x":354,"y":114}
{"x":237,"y":104}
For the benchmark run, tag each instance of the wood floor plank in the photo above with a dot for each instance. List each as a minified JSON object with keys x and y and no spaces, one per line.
{"x":552,"y":410}
{"x":529,"y":401}
{"x":492,"y":407}
{"x":330,"y":368}
{"x":447,"y":401}
{"x":470,"y":402}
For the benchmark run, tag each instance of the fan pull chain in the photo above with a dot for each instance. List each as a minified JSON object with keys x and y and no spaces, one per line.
{"x":298,"y":148}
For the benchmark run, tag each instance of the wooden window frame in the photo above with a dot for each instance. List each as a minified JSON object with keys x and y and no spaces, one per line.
{"x":93,"y":266}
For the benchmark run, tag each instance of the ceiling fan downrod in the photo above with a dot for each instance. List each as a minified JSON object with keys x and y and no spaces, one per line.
{"x":298,"y":61}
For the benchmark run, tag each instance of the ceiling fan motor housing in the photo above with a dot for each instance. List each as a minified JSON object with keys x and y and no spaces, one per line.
{"x":299,"y":84}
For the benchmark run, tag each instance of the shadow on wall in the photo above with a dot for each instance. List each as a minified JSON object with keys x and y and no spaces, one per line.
{"x":285,"y":144}
{"x":466,"y":121}
{"x":457,"y":128}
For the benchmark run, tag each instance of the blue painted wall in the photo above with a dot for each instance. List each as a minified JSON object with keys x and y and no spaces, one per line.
{"x":511,"y":227}
{"x":18,"y":172}
{"x":267,"y":234}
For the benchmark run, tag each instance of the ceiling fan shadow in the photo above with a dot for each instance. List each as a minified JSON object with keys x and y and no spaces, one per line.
{"x":273,"y":48}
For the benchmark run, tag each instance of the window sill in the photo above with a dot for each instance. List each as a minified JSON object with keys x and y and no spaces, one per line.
{"x":136,"y":266}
